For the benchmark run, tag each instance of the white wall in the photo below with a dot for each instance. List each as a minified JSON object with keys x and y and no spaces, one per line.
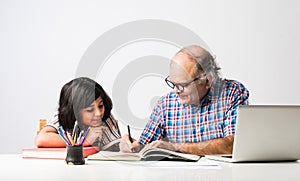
{"x":256,"y":42}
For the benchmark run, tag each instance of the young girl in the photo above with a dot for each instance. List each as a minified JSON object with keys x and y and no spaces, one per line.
{"x":84,"y":100}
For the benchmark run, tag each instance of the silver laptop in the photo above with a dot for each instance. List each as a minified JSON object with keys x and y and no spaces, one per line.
{"x":265,"y":133}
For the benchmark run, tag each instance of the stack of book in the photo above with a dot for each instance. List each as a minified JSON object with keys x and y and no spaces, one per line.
{"x":54,"y":153}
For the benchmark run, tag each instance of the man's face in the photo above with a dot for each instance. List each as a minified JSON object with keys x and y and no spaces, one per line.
{"x":183,"y":71}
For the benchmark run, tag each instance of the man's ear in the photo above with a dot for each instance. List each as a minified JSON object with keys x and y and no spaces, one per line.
{"x":209,"y":80}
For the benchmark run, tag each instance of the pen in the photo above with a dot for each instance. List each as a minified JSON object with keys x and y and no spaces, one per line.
{"x":74,"y":128}
{"x":84,"y":136}
{"x":70,"y":138}
{"x":130,"y":138}
{"x":61,"y":133}
{"x":66,"y":136}
{"x":79,"y":138}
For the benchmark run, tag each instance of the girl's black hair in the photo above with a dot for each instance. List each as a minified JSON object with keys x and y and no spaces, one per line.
{"x":77,"y":94}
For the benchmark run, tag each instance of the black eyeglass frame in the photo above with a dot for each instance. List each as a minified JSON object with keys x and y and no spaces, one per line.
{"x":181,"y":86}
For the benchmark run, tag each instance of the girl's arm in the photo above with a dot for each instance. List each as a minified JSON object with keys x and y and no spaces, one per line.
{"x":48,"y":137}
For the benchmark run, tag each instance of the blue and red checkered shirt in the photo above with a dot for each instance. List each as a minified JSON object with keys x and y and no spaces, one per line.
{"x":214,"y":117}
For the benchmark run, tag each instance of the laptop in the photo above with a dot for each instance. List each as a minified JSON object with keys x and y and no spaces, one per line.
{"x":265,"y":133}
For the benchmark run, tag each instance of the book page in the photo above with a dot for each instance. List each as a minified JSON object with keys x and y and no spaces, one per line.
{"x":160,"y":153}
{"x":109,"y":155}
{"x":111,"y":144}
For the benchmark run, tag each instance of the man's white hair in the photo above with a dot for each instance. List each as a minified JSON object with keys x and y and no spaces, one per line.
{"x":205,"y":62}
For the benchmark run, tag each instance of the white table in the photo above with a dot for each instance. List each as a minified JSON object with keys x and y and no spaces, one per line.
{"x":14,"y":167}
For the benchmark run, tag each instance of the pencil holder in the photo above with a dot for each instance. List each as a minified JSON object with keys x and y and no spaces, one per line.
{"x":75,"y":155}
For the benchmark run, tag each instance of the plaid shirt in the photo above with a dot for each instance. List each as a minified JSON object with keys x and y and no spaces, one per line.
{"x":214,"y":117}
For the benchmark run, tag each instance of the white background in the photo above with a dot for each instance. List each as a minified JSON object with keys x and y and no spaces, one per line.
{"x":256,"y":42}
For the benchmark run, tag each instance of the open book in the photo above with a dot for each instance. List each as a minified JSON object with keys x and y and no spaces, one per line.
{"x":148,"y":154}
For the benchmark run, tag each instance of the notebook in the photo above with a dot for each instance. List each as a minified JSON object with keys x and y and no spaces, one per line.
{"x":265,"y":133}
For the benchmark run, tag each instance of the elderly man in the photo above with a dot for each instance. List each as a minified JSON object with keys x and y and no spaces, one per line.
{"x":199,"y":115}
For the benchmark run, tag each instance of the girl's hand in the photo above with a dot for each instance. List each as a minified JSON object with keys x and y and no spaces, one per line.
{"x":94,"y":134}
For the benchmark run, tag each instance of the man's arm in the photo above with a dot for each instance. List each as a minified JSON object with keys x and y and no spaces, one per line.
{"x":216,"y":146}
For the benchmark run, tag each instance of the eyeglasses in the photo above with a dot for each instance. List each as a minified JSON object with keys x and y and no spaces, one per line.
{"x":180,"y":86}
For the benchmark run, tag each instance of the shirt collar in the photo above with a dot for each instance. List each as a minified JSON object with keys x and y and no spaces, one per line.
{"x":214,"y":92}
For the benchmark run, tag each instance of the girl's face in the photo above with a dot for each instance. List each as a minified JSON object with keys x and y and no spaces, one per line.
{"x":93,"y":114}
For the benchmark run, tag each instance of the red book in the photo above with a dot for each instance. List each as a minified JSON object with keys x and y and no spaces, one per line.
{"x":54,"y":153}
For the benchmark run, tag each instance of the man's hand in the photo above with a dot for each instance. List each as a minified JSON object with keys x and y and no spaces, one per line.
{"x":164,"y":144}
{"x":128,"y":147}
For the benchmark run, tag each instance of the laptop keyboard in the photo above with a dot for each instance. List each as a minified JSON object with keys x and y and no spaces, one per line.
{"x":227,"y":156}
